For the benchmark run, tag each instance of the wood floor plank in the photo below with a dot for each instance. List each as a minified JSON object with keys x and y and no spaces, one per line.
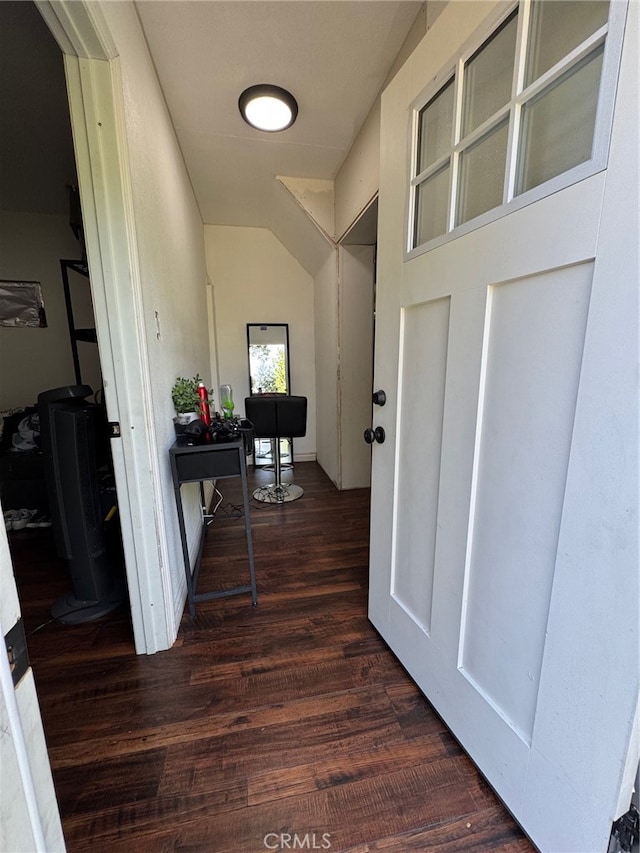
{"x":342,"y":769}
{"x":206,"y":726}
{"x":488,"y":829}
{"x":115,"y":780}
{"x":363,"y":728}
{"x":415,"y":714}
{"x":350,"y":814}
{"x":292,"y":719}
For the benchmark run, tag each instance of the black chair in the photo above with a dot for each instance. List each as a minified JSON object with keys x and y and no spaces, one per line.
{"x":276,"y":417}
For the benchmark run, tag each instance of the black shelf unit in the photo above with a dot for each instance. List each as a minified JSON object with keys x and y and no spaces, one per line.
{"x":85,"y":335}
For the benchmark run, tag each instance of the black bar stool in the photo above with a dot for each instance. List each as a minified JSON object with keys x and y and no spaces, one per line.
{"x":276,"y":417}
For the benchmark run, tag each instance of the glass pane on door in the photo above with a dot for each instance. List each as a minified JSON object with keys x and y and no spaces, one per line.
{"x":435,"y":128}
{"x":557,"y":126}
{"x":432,"y":205}
{"x":557,"y":28}
{"x":481,"y":181}
{"x":488,"y":76}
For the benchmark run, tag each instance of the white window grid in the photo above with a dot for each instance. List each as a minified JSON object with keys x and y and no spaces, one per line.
{"x":609,"y":35}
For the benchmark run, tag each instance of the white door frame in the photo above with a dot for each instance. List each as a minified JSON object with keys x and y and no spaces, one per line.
{"x":97,"y":118}
{"x":23,"y":819}
{"x":29,"y":817}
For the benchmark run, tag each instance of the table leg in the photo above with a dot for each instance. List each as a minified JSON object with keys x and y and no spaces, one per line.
{"x":247,"y":526}
{"x":185,"y":551}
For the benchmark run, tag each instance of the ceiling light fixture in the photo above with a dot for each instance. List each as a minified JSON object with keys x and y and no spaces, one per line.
{"x":268,"y":107}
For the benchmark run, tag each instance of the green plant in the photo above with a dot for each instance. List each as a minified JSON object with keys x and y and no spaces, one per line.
{"x":184,"y":394}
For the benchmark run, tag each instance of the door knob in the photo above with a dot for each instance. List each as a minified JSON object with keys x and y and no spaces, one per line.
{"x":379,"y":398}
{"x":377,"y":434}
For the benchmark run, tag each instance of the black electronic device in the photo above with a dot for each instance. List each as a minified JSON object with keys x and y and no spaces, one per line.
{"x":228,"y":429}
{"x":195,"y":430}
{"x":220,"y":430}
{"x":77,"y":465}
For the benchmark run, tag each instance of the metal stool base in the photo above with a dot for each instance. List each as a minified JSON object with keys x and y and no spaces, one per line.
{"x":278,"y":494}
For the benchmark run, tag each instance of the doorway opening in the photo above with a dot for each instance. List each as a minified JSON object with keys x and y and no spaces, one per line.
{"x":356,"y":313}
{"x":42,"y":222}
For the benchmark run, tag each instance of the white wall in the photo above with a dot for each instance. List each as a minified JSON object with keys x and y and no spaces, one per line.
{"x":326,"y":324}
{"x":169,"y":229}
{"x":172,"y":274}
{"x":35,"y":360}
{"x":357,"y":181}
{"x":255,"y":280}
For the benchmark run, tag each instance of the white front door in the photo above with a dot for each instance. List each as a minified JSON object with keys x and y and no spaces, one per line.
{"x":504,"y":537}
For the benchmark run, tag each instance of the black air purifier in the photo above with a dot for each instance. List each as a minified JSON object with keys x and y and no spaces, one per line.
{"x":77,"y":463}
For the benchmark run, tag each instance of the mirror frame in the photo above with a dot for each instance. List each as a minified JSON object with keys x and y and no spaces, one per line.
{"x":288,"y":458}
{"x":265,"y":327}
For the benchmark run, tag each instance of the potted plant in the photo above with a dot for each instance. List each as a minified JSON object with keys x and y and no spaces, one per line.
{"x":186,"y":401}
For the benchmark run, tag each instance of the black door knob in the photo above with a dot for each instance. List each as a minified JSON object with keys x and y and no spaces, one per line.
{"x":377,"y":434}
{"x":379,"y":398}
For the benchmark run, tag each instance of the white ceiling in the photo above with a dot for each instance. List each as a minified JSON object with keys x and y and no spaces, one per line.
{"x":333,"y":55}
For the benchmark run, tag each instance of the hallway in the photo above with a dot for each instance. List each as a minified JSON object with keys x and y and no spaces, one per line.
{"x":289,"y":726}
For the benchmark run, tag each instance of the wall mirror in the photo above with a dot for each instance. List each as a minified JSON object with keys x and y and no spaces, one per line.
{"x":268,"y":346}
{"x":268,"y":352}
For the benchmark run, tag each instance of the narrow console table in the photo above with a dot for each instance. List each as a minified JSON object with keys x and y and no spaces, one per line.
{"x":196,"y":463}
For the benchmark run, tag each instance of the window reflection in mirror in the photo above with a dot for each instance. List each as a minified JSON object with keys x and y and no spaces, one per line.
{"x":268,"y":349}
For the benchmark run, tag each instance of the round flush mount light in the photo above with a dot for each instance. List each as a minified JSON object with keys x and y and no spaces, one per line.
{"x":268,"y":107}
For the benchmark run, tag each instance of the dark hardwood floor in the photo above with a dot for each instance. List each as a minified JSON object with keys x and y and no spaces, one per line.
{"x":288,"y":726}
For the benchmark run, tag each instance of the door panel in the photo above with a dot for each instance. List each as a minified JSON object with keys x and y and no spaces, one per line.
{"x":425,"y":330}
{"x":534,"y":331}
{"x":504,"y":501}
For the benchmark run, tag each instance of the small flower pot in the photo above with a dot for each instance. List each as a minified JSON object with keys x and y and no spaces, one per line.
{"x":184,"y":418}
